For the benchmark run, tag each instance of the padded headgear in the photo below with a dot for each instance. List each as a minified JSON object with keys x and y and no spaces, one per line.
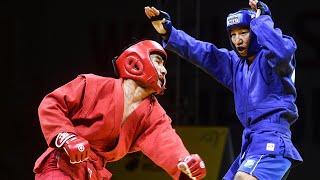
{"x":135,"y":63}
{"x":242,"y":18}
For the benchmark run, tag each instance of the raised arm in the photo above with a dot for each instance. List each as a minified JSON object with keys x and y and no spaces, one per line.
{"x":216,"y":62}
{"x":271,"y":38}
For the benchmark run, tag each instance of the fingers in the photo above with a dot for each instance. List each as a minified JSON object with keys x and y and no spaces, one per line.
{"x":253,"y":4}
{"x":84,"y":156}
{"x":147,"y":11}
{"x":78,"y":157}
{"x":197,"y":174}
{"x":156,"y":11}
{"x":151,"y":11}
{"x":182,"y":166}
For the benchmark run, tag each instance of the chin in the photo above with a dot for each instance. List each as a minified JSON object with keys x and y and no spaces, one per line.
{"x":243,"y":54}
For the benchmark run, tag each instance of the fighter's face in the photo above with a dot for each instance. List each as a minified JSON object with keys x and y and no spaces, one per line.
{"x":158,"y":63}
{"x":240,"y":37}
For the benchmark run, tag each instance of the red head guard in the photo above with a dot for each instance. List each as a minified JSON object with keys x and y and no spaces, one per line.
{"x":135,"y":63}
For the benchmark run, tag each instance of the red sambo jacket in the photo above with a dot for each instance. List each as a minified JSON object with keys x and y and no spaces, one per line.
{"x":91,"y":106}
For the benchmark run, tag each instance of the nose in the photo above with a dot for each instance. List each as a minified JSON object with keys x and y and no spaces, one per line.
{"x":163,"y":71}
{"x":239,"y":40}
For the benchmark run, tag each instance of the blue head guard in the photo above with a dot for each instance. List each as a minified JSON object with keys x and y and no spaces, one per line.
{"x":242,"y":18}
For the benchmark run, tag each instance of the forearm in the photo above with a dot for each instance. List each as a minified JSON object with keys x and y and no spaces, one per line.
{"x":216,"y":62}
{"x":188,"y":47}
{"x":272,"y":39}
{"x":163,"y":146}
{"x":53,"y":120}
{"x":167,"y":156}
{"x":56,"y":109}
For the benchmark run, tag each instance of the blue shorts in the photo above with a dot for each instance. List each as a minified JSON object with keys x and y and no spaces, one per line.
{"x":265,"y":166}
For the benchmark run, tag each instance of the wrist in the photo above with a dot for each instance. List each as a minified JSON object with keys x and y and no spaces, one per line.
{"x":258,"y":13}
{"x":62,"y":138}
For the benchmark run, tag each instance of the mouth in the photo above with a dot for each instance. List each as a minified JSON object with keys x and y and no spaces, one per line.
{"x":241,"y":50}
{"x":161,"y":82}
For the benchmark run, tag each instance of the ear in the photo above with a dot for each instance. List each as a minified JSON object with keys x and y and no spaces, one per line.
{"x":133,"y":66}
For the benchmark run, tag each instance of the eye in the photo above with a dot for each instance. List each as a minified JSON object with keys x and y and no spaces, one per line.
{"x":233,"y":37}
{"x":159,"y":59}
{"x":244,"y":32}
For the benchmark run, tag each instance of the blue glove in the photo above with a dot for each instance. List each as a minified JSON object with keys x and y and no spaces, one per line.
{"x":264,"y":8}
{"x":167,"y":24}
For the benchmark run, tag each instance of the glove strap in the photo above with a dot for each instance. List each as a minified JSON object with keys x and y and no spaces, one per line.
{"x":263,"y":8}
{"x":160,"y":16}
{"x":62,"y":138}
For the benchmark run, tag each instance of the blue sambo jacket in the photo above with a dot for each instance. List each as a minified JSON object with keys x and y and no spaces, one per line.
{"x":264,"y":92}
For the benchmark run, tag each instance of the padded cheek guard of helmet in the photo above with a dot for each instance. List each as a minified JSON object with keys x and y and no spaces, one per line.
{"x":135,"y":63}
{"x":243,"y":18}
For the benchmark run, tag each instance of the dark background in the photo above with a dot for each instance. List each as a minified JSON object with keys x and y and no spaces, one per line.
{"x":44,"y":44}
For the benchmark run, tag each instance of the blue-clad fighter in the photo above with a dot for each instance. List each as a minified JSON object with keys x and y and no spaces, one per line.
{"x":260,"y":71}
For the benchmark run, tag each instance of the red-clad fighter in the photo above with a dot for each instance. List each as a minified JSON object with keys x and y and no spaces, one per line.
{"x":95,"y":120}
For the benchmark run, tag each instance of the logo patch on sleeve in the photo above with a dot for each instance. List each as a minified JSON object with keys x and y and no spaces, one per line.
{"x":249,"y":163}
{"x":270,"y":146}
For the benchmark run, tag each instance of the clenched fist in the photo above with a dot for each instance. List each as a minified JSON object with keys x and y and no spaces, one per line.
{"x":193,"y":166}
{"x":75,"y":146}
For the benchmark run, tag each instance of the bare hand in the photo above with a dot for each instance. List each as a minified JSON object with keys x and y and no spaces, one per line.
{"x":253,"y":5}
{"x":158,"y":25}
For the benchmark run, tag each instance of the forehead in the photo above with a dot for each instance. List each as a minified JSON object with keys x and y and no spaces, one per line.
{"x":236,"y":29}
{"x":155,"y":56}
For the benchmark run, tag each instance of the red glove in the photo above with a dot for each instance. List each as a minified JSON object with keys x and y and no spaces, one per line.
{"x":193,"y":166}
{"x":75,"y":146}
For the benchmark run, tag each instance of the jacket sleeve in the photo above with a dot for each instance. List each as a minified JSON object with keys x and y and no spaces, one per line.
{"x":216,"y":62}
{"x":281,"y":46}
{"x":56,"y":108}
{"x":162,"y":145}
